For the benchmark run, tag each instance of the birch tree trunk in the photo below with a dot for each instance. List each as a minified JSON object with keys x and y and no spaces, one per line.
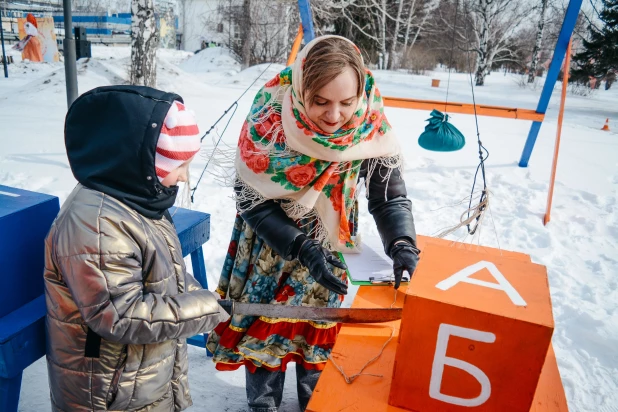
{"x":383,"y":36}
{"x":144,"y":43}
{"x":406,"y":37}
{"x":429,"y":9}
{"x":483,"y":47}
{"x":482,"y":59}
{"x":184,"y":24}
{"x":537,"y":45}
{"x":395,"y":41}
{"x":246,"y":35}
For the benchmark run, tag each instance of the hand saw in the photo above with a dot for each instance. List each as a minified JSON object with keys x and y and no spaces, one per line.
{"x":340,"y":315}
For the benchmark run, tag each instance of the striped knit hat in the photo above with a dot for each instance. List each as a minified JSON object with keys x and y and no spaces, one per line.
{"x":179,"y":140}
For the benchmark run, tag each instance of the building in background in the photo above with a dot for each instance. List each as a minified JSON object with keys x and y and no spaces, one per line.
{"x":106,"y":21}
{"x":99,"y":24}
{"x":202,"y":24}
{"x":268,"y":28}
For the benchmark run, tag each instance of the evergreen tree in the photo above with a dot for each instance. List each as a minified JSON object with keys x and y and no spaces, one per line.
{"x":600,"y":57}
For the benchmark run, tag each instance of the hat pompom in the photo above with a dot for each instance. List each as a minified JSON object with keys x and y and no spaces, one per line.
{"x":171,"y":119}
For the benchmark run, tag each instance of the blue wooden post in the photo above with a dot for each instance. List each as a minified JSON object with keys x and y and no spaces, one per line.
{"x":568,"y":25}
{"x":307,"y":19}
{"x":199,"y":268}
{"x":199,"y":272}
{"x":9,"y":393}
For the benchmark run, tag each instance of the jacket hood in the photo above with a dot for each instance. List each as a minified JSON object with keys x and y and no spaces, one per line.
{"x":111,"y":136}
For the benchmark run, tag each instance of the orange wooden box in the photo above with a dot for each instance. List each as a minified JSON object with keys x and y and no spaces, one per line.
{"x":475,"y":333}
{"x":357,"y":344}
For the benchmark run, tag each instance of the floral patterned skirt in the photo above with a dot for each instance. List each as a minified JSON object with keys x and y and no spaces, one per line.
{"x":254,"y":273}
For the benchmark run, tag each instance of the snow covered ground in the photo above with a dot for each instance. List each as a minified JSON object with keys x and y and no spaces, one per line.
{"x":579,"y":246}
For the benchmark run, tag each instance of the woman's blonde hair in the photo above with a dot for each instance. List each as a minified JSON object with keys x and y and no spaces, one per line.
{"x":327,"y":60}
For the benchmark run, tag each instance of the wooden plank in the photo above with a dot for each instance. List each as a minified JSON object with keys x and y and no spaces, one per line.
{"x":465,"y":108}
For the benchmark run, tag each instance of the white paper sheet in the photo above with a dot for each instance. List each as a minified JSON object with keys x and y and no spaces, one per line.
{"x":372,"y":262}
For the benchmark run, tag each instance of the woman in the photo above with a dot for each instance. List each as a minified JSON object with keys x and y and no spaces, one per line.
{"x":312,"y":133}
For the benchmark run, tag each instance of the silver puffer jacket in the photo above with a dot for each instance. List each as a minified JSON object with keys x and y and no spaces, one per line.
{"x":119,"y":307}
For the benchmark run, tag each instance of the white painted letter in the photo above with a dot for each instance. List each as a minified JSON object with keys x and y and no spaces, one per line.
{"x":503,"y":284}
{"x":440,"y":359}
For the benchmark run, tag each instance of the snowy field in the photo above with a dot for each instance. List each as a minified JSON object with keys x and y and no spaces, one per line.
{"x":579,"y":246}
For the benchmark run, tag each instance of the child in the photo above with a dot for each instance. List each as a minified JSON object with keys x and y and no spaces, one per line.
{"x":120,"y":302}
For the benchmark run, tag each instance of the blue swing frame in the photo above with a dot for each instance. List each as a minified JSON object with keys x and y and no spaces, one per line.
{"x":568,"y":25}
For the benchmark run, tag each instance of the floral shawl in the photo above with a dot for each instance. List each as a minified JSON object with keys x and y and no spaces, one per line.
{"x":283,"y":155}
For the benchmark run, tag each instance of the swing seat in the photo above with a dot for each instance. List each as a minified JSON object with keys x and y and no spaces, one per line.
{"x":440,"y":135}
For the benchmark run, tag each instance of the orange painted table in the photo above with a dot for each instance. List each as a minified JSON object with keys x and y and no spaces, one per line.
{"x":357,"y":344}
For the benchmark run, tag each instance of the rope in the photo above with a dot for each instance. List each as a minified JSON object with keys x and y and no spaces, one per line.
{"x":352,"y":378}
{"x":472,"y":217}
{"x":234,"y":106}
{"x":450,"y":63}
{"x":484,"y":200}
{"x":473,"y":213}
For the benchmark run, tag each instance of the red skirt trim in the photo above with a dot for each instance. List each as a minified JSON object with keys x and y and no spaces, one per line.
{"x":314,"y":336}
{"x":290,"y":357}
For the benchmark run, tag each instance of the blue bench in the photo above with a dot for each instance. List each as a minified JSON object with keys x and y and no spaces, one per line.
{"x":25,"y":218}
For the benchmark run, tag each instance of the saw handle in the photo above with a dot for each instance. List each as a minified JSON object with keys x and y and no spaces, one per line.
{"x":227,"y":305}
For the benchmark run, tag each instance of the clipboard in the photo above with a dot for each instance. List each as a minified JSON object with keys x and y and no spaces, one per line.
{"x":370,"y":267}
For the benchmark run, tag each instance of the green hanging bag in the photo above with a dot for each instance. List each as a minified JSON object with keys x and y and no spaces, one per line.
{"x":440,"y":135}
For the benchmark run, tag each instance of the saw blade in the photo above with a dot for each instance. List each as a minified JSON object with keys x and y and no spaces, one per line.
{"x":339,"y":315}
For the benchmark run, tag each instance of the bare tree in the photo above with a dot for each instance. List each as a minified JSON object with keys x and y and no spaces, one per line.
{"x":395,"y":38}
{"x":383,"y":29}
{"x":144,"y":43}
{"x":538,"y":43}
{"x":371,"y":18}
{"x":380,"y":14}
{"x":257,"y":32}
{"x":491,"y":29}
{"x":246,"y":34}
{"x":408,"y":24}
{"x":427,"y":12}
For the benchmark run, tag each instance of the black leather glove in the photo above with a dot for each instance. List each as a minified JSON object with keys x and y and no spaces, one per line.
{"x":405,"y":257}
{"x":316,"y":258}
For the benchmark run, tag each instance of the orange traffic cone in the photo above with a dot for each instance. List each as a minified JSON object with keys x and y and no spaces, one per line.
{"x":606,"y":125}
